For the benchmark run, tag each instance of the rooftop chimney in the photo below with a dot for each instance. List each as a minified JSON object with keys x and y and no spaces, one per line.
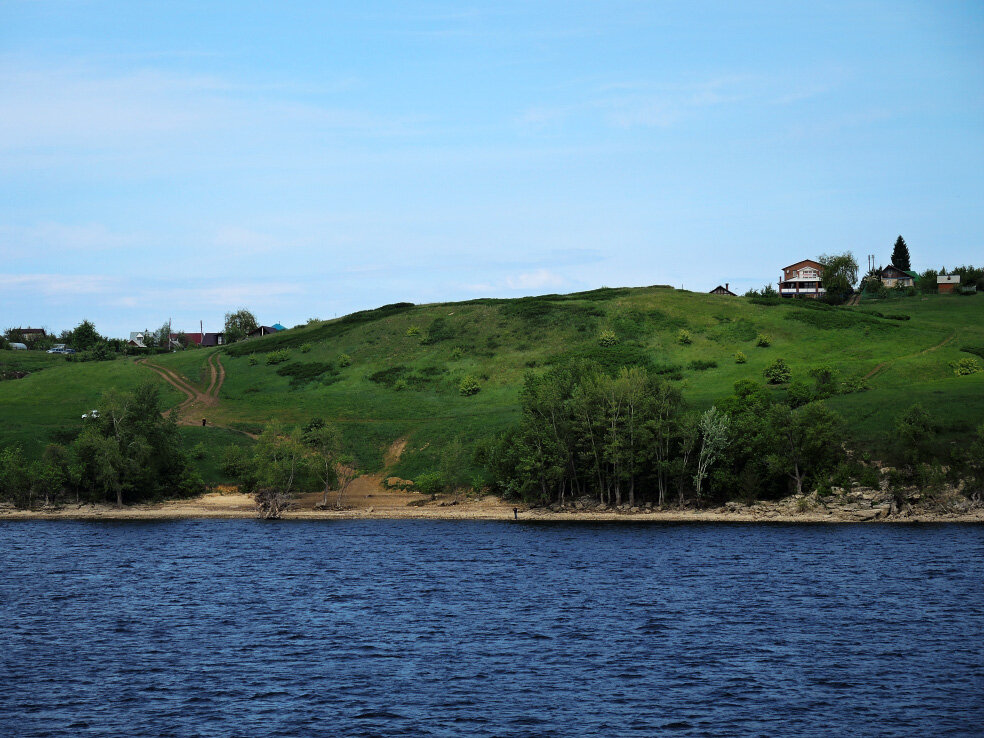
{"x":726,"y":287}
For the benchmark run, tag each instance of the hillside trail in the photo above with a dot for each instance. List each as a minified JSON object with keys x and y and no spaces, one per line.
{"x":925,"y":351}
{"x":366,"y":491}
{"x":196,"y":400}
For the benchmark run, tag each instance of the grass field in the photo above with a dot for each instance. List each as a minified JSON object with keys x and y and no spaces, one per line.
{"x":405,"y":363}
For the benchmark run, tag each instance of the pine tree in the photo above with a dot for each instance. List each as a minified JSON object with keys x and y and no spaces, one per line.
{"x":900,"y":255}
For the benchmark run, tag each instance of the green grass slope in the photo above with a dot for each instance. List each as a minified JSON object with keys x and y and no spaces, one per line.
{"x":405,"y":364}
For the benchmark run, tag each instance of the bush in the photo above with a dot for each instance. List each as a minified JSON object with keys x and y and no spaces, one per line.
{"x":684,"y":337}
{"x":199,"y":451}
{"x":278,"y":357}
{"x":305,"y":347}
{"x":740,"y":357}
{"x":344,"y":360}
{"x":252,"y":360}
{"x":607,"y":338}
{"x":429,"y":483}
{"x":763,"y":340}
{"x":700,"y":364}
{"x":413,"y":330}
{"x":967,"y":366}
{"x":778,"y":372}
{"x":856,"y":383}
{"x":798,"y":394}
{"x":469,"y":386}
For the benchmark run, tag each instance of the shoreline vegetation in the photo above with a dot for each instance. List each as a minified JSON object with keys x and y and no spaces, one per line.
{"x":634,"y":403}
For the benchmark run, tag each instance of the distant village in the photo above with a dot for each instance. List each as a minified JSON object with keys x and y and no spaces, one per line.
{"x":832,"y":279}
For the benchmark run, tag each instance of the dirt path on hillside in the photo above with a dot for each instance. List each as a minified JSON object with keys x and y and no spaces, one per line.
{"x":929,"y":350}
{"x":196,"y":400}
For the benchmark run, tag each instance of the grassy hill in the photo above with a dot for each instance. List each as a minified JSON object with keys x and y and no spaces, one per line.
{"x":395,"y":372}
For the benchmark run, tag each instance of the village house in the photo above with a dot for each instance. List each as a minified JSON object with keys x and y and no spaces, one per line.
{"x":136,"y":340}
{"x":206,"y":339}
{"x":892,"y":276}
{"x":719,"y":290}
{"x":802,"y":279}
{"x":264,"y":330}
{"x":946,"y":283}
{"x":30,"y":335}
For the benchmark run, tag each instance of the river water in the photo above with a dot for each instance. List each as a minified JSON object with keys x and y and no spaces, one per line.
{"x":251,"y":628}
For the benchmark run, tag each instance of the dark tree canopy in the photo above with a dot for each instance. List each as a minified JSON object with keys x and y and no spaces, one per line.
{"x":840,"y":274}
{"x":239,"y":324}
{"x":900,"y":255}
{"x":84,"y":336}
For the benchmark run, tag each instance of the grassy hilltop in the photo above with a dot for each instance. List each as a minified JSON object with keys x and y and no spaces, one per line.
{"x":396,"y":372}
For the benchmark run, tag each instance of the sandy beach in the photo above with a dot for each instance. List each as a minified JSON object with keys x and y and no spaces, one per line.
{"x":395,"y":505}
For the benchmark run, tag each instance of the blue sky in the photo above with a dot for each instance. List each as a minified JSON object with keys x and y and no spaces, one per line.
{"x":184,"y":159}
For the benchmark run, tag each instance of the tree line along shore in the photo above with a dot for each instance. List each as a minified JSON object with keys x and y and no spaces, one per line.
{"x":615,"y":399}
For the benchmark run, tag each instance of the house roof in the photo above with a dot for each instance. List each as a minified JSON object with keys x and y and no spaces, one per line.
{"x":891,"y":270}
{"x":721,"y":288}
{"x":805,"y":262}
{"x":278,"y":327}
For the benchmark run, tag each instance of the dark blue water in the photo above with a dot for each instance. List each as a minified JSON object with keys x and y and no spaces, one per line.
{"x":246,"y":628}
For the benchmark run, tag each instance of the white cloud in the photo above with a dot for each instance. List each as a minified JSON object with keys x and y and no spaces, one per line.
{"x":44,"y":237}
{"x":57,"y":285}
{"x":539,"y":279}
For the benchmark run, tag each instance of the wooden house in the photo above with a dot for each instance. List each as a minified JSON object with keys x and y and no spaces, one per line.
{"x":719,"y":290}
{"x":802,"y":279}
{"x":946,"y":283}
{"x":892,"y":276}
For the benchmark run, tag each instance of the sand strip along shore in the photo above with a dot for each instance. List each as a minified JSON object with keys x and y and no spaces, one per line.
{"x":217,"y":505}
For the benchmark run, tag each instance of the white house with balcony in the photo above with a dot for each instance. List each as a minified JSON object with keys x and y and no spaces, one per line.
{"x":802,"y":279}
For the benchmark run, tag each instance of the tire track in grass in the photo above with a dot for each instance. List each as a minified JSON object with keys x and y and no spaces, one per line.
{"x":929,"y":350}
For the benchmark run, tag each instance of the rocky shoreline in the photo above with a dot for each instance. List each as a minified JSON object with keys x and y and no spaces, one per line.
{"x":854,"y":506}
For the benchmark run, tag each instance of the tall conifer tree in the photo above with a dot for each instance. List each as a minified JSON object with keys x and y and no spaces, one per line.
{"x":900,"y":255}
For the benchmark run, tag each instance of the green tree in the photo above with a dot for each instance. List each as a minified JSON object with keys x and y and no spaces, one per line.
{"x":283,"y":464}
{"x":130,"y":452}
{"x":805,"y":442}
{"x":239,"y":324}
{"x":915,"y":430}
{"x":840,"y":274}
{"x":714,"y":429}
{"x":84,"y":336}
{"x":900,"y":255}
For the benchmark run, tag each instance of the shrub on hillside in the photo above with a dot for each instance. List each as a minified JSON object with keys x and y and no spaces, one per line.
{"x":252,"y":360}
{"x":344,"y":360}
{"x":778,"y":372}
{"x":607,"y":338}
{"x":305,"y":347}
{"x":468,"y":386}
{"x":763,"y":340}
{"x":967,"y":366}
{"x":740,"y":357}
{"x":685,"y":337}
{"x":456,"y":353}
{"x":429,"y":483}
{"x":413,"y":330}
{"x":278,"y":357}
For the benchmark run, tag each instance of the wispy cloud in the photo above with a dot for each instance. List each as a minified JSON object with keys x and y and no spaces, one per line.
{"x":57,"y":285}
{"x":54,"y":238}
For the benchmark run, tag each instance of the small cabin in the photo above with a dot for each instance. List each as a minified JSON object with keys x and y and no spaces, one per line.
{"x":892,"y":276}
{"x":725,"y":290}
{"x":946,"y":283}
